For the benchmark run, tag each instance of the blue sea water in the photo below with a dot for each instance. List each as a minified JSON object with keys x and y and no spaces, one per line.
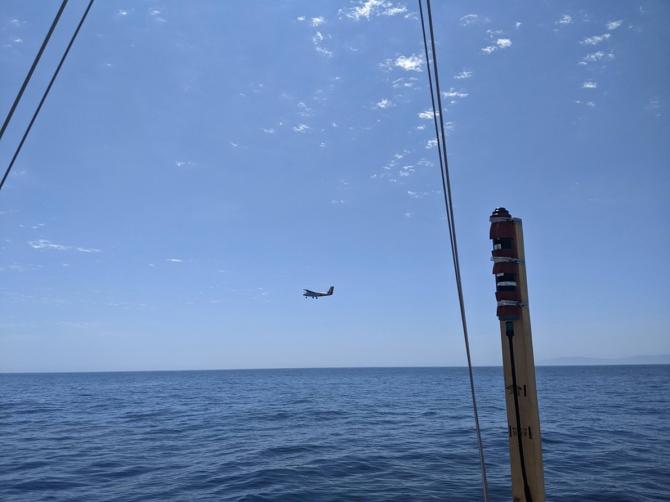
{"x":325,"y":434}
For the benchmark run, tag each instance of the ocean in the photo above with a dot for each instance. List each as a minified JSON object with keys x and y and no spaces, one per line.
{"x":375,"y":434}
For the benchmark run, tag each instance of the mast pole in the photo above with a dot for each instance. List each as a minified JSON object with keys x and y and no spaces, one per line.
{"x":523,"y":417}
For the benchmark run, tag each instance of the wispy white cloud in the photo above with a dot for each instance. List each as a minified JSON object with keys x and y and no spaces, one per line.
{"x":594,"y":57}
{"x":122,"y":12}
{"x":185,"y":163}
{"x":431,"y":143}
{"x":501,"y":43}
{"x":416,"y":195}
{"x":324,"y":51}
{"x":504,"y":43}
{"x":613,"y":25}
{"x":489,"y":49}
{"x":595,"y":39}
{"x":337,"y":202}
{"x":384,"y":103}
{"x":156,"y":14}
{"x":371,"y":8}
{"x":409,"y":63}
{"x":317,"y":40}
{"x":654,"y":106}
{"x":470,"y":19}
{"x":16,"y":267}
{"x":174,"y":260}
{"x":463,"y":75}
{"x":46,"y":244}
{"x":565,"y":19}
{"x":427,"y":115}
{"x":403,"y":82}
{"x":453,"y":93}
{"x":268,"y":130}
{"x":301,"y":128}
{"x":304,"y":110}
{"x":319,"y":37}
{"x":589,"y":104}
{"x":590,"y":84}
{"x":393,"y":168}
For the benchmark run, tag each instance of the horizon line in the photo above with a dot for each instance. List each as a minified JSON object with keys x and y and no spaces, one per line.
{"x":277,"y":368}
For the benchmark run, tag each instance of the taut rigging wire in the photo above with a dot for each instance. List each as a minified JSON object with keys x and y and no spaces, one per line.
{"x":446,"y":187}
{"x":32,"y":68}
{"x":46,"y":93}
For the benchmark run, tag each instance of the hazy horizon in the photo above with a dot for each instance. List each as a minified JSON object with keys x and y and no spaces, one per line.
{"x":661,"y":359}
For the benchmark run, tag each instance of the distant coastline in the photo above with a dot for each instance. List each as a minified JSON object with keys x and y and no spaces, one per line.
{"x":602,"y":361}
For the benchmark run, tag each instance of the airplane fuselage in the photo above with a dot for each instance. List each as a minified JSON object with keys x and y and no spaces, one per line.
{"x":317,"y":294}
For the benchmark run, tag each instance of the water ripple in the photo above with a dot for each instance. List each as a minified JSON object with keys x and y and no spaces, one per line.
{"x":331,"y":435}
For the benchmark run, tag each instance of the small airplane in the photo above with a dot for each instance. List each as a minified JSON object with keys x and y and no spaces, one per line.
{"x":316,"y":295}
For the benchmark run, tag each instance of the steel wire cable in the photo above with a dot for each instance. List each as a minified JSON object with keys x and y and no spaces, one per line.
{"x":446,"y":186}
{"x":45,"y":94}
{"x":38,"y":56}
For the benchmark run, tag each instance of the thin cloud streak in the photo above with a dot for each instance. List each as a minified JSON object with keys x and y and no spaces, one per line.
{"x":595,"y":39}
{"x":372,"y":8}
{"x":47,"y":244}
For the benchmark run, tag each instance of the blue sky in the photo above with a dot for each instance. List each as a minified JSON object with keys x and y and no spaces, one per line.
{"x":198,"y":163}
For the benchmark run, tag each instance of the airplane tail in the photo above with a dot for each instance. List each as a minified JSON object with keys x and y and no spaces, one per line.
{"x":331,"y":290}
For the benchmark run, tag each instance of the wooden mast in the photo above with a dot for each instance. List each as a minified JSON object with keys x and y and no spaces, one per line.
{"x":523,"y":418}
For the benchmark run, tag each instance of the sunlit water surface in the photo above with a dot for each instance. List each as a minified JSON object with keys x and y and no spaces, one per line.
{"x":325,"y":434}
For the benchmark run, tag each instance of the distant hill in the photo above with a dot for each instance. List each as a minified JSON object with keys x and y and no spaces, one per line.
{"x":596,"y":361}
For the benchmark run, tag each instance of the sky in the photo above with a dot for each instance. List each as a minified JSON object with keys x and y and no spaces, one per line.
{"x":198,"y":163}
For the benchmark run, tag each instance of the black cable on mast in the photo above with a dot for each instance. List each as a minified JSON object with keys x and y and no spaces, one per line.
{"x":32,"y":69}
{"x":446,"y":186}
{"x":509,"y":332}
{"x":44,"y":96}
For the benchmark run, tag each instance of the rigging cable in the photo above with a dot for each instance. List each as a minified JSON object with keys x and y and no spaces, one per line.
{"x":32,"y":68}
{"x":46,"y":93}
{"x":446,"y":187}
